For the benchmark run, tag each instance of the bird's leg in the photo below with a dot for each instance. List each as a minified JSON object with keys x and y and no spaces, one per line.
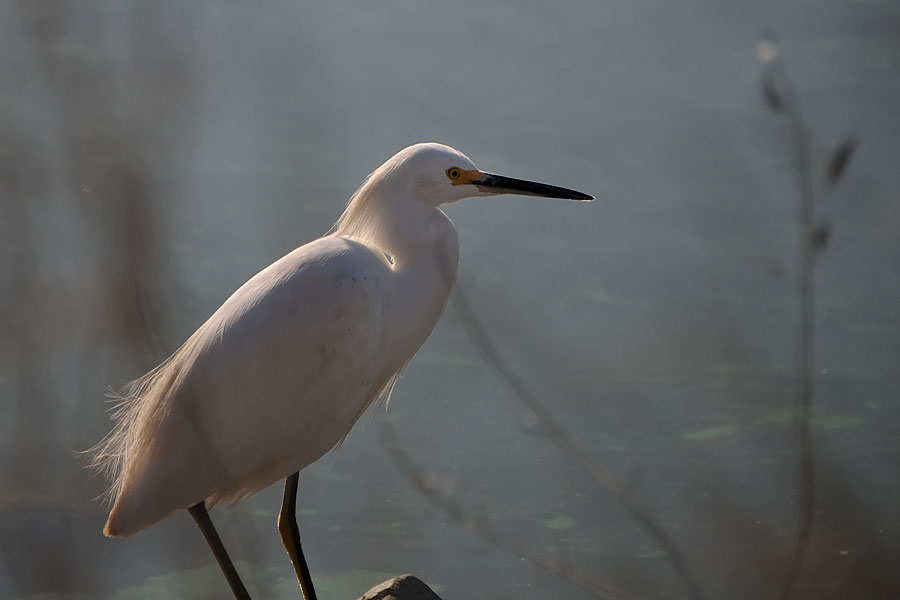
{"x":198,"y":511}
{"x":290,"y":535}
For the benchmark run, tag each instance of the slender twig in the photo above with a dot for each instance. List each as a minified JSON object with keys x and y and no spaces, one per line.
{"x":482,"y":527}
{"x":781,"y":86}
{"x":570,"y":448}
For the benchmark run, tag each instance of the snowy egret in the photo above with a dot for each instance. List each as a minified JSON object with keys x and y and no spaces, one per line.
{"x":280,"y":373}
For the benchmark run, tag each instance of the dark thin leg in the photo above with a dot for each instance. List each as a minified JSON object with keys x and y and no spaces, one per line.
{"x":198,"y":511}
{"x":290,"y":535}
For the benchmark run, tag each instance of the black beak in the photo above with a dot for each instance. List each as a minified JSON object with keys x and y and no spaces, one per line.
{"x":498,"y":184}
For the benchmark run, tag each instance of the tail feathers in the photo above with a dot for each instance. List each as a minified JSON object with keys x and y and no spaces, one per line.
{"x":126,"y":521}
{"x":111,"y":530}
{"x":156,"y":487}
{"x":124,"y":451}
{"x":117,"y":525}
{"x":128,"y":517}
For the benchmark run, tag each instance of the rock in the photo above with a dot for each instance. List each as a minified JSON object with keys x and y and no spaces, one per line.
{"x":404,"y":587}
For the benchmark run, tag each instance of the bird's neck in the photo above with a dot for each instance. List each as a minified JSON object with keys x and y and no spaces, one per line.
{"x":423,"y":247}
{"x":419,"y":292}
{"x":404,"y":230}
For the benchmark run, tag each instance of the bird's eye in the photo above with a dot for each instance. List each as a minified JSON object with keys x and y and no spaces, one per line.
{"x":453,"y":173}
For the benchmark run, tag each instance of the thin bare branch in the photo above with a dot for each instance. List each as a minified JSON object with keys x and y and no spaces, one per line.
{"x":481,"y":526}
{"x":814,"y":238}
{"x":569,"y":447}
{"x":840,"y":158}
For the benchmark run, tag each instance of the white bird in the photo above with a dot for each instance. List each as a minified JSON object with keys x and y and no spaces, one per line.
{"x":280,"y":373}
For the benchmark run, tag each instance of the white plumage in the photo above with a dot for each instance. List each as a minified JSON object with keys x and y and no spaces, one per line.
{"x":281,"y":372}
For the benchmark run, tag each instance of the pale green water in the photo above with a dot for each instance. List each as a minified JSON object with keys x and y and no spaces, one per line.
{"x":192,"y":145}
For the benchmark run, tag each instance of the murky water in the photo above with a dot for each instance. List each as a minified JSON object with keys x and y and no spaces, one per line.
{"x":153,"y":156}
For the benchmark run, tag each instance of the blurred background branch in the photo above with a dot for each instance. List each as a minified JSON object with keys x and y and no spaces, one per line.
{"x":781,"y":97}
{"x":598,"y":473}
{"x":479,"y":523}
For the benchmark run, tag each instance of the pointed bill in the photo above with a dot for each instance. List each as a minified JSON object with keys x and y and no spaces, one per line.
{"x":488,"y":183}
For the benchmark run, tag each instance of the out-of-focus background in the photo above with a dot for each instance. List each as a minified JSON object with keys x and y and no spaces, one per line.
{"x":155,"y":155}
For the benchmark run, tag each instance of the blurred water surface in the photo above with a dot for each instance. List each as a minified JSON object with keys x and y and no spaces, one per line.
{"x":153,"y":156}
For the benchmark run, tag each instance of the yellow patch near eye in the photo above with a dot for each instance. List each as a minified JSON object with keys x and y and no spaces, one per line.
{"x":459,"y":176}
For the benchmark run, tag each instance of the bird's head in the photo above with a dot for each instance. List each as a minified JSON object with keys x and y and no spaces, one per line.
{"x":425,"y":176}
{"x":439,"y":174}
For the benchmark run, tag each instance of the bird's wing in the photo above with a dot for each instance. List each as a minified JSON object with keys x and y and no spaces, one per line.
{"x":266,"y":386}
